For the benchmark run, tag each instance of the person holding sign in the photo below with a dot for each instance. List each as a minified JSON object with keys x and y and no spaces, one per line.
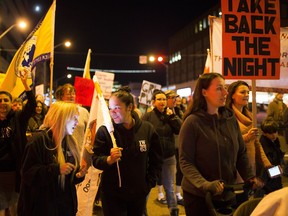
{"x":237,"y":100}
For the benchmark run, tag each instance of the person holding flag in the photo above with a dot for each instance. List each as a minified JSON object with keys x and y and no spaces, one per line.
{"x":13,"y":126}
{"x":138,"y":154}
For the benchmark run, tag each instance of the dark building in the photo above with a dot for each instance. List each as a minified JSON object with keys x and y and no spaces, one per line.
{"x":188,"y":47}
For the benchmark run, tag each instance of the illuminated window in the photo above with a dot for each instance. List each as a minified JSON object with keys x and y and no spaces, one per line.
{"x":200,"y":25}
{"x":204,"y":23}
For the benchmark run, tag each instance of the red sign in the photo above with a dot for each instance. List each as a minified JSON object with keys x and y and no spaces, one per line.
{"x":251,"y":39}
{"x":84,"y":91}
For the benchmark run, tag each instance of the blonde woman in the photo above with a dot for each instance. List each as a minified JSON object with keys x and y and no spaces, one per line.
{"x":50,"y":166}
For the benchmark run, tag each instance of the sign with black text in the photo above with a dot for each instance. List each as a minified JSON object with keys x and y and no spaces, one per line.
{"x":250,"y":35}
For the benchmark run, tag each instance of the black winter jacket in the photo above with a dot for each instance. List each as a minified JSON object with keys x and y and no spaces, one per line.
{"x":166,"y":126}
{"x":13,"y":137}
{"x":41,"y":193}
{"x":141,"y":161}
{"x":211,"y":148}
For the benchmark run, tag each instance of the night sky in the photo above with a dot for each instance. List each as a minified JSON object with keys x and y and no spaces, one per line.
{"x":118,"y":32}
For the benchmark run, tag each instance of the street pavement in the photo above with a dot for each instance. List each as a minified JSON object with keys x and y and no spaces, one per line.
{"x":156,"y":209}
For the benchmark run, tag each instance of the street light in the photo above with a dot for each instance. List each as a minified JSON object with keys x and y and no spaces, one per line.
{"x":67,"y":77}
{"x":65,"y":43}
{"x":20,"y":24}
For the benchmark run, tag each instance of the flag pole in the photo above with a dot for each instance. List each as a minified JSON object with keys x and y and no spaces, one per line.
{"x":211,"y":20}
{"x":52,"y":58}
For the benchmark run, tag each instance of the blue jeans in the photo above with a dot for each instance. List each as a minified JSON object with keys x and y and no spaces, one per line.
{"x":168,"y":175}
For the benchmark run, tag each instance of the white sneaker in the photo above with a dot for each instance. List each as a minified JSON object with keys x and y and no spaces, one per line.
{"x":180,"y":200}
{"x":179,"y":196}
{"x":161,"y":198}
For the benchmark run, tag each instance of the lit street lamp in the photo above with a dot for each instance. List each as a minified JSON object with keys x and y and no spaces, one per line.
{"x":67,"y":77}
{"x":65,"y":43}
{"x":20,"y":24}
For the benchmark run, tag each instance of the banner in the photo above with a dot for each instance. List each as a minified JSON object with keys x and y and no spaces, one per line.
{"x":99,"y":115}
{"x":216,"y":54}
{"x":87,"y":190}
{"x":37,"y":48}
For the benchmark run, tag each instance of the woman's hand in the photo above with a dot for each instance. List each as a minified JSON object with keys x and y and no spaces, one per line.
{"x":83,"y":171}
{"x":115,"y":155}
{"x":253,"y":133}
{"x":66,"y":169}
{"x":215,"y":187}
{"x":256,"y":182}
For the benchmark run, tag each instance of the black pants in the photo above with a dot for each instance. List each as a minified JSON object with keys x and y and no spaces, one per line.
{"x":194,"y":205}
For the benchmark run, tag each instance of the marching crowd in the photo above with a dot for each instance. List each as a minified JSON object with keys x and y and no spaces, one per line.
{"x":183,"y":150}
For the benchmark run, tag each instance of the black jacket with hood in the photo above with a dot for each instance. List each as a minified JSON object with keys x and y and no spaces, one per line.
{"x":166,"y":126}
{"x":211,"y":148}
{"x":141,"y":161}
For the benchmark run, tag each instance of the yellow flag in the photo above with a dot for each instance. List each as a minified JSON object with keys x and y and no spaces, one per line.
{"x":37,"y":48}
{"x":86,"y":73}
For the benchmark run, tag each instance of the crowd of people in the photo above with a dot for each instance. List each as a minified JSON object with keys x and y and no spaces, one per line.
{"x":185,"y":151}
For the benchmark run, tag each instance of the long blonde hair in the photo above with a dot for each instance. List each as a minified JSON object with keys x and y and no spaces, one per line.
{"x":55,"y":120}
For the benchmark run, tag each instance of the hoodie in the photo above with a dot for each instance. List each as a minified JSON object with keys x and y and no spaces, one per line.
{"x":211,"y":148}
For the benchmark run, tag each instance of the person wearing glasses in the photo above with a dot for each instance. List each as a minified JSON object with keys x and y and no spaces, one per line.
{"x":172,"y":98}
{"x":13,"y":126}
{"x":167,"y":124}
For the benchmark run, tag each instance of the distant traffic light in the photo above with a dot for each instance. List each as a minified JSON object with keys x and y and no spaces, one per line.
{"x":143,"y":59}
{"x":160,"y":59}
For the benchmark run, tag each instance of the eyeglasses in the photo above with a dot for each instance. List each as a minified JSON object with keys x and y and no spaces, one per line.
{"x":4,"y":100}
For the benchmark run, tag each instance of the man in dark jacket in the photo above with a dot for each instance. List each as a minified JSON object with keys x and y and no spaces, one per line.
{"x":167,"y":124}
{"x":13,"y":126}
